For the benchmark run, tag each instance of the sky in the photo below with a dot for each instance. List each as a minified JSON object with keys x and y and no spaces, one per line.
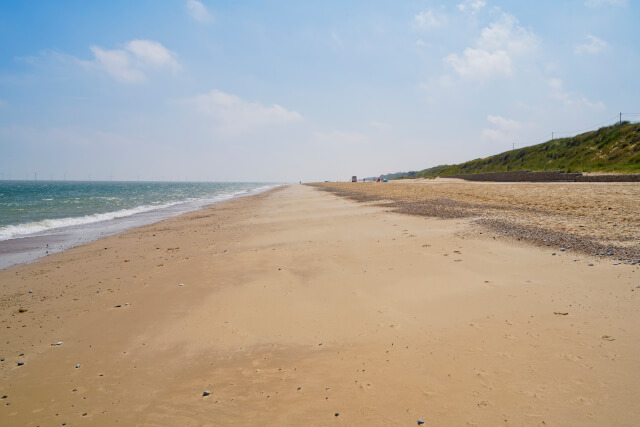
{"x":292,"y":91}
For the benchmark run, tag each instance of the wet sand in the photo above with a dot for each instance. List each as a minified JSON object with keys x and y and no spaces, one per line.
{"x":302,"y":307}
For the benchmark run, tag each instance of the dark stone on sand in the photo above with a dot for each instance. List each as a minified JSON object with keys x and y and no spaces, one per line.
{"x":590,"y":265}
{"x":77,"y":366}
{"x":206,"y":393}
{"x":420,"y":421}
{"x":117,"y":306}
{"x":20,"y":363}
{"x":2,"y":358}
{"x":336,"y":414}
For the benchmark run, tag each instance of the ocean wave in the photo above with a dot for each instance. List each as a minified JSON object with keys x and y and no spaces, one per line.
{"x":24,"y":230}
{"x":51,"y":225}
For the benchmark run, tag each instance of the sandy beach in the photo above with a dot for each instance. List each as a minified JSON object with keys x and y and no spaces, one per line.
{"x":300,"y":307}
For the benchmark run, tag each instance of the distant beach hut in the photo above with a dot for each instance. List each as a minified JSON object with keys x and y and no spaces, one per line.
{"x":354,"y":178}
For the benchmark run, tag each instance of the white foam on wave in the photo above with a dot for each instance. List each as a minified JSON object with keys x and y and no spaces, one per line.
{"x":24,"y":230}
{"x":50,"y":225}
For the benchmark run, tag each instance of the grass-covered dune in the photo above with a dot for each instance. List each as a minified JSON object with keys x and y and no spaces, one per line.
{"x":609,"y":149}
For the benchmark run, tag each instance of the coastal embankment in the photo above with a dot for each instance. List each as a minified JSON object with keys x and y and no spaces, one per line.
{"x":298,"y":306}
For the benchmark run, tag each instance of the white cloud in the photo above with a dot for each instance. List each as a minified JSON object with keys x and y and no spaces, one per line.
{"x":570,"y":99}
{"x":597,"y":3}
{"x":234,"y":115}
{"x":479,"y":64}
{"x":427,"y":19}
{"x":594,"y":45}
{"x":128,"y":65}
{"x":504,"y":130}
{"x":152,"y":53}
{"x":198,"y":11}
{"x":494,"y":51}
{"x":472,"y":5}
{"x":118,"y":63}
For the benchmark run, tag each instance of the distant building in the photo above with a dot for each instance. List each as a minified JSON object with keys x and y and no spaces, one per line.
{"x":354,"y":178}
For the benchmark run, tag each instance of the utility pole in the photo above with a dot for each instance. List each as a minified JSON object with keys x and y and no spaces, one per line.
{"x":552,"y":136}
{"x":514,"y":146}
{"x":620,"y":122}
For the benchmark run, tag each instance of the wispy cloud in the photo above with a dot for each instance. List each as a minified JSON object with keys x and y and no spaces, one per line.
{"x":428,"y":19}
{"x":128,"y":65}
{"x":233,"y":115}
{"x":593,"y":45}
{"x":494,"y":51}
{"x":569,"y":99}
{"x":504,"y":130}
{"x":471,"y":5}
{"x":199,"y":11}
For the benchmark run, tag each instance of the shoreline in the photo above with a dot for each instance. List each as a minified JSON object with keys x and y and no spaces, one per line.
{"x":30,"y":248}
{"x":297,"y":305}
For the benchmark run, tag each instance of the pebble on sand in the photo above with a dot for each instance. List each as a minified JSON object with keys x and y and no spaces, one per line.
{"x":77,"y":366}
{"x":20,"y":363}
{"x":420,"y":421}
{"x":206,"y":393}
{"x":181,"y":284}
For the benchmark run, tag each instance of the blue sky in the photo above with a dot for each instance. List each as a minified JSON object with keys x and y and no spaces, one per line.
{"x":289,"y":90}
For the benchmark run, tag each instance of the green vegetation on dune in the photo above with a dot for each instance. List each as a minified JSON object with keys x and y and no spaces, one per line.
{"x":609,"y":149}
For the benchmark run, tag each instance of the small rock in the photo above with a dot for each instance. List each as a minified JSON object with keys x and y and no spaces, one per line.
{"x":420,"y":421}
{"x":560,"y":313}
{"x":206,"y":393}
{"x":77,"y":366}
{"x":2,"y":358}
{"x":299,"y":388}
{"x":57,"y":343}
{"x":553,"y":253}
{"x":616,"y":263}
{"x":336,"y":414}
{"x":590,"y":265}
{"x":117,"y":306}
{"x":30,"y":292}
{"x":20,"y":363}
{"x":181,"y":284}
{"x":22,"y":310}
{"x":561,"y":249}
{"x":4,"y":397}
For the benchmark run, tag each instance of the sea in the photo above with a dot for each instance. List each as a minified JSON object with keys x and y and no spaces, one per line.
{"x":38,"y":218}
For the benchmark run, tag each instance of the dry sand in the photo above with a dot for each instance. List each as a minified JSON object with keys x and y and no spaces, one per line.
{"x":303,"y":308}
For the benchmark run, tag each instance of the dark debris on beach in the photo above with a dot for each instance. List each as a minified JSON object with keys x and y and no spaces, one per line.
{"x":451,"y":209}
